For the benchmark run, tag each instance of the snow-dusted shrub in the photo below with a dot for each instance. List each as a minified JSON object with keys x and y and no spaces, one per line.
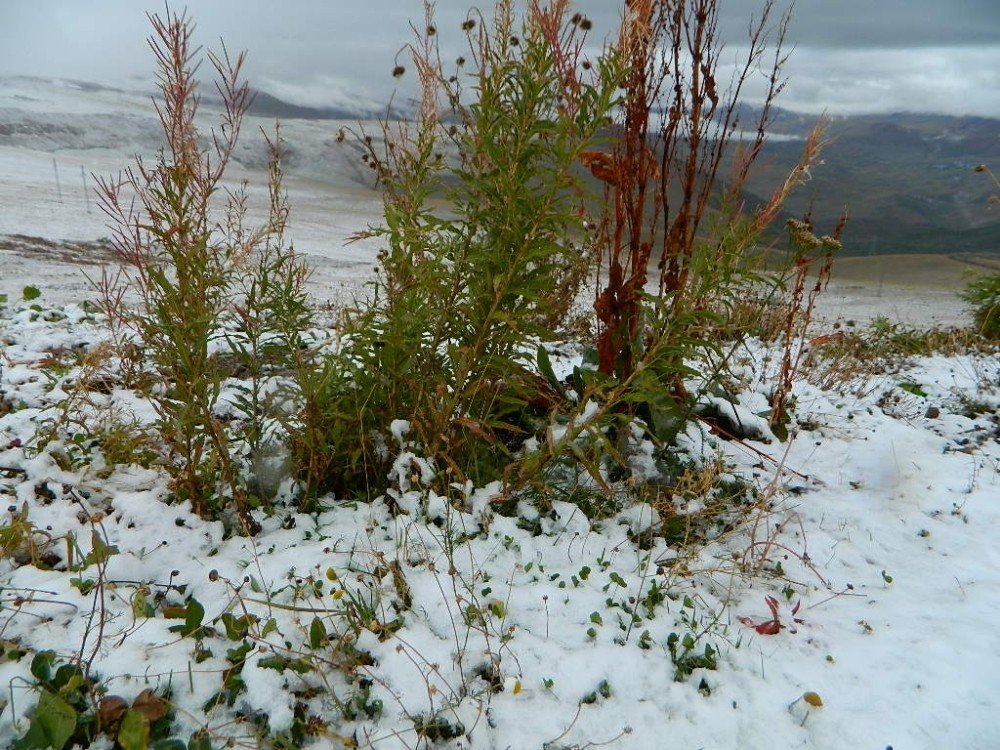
{"x":463,"y":295}
{"x":214,"y":294}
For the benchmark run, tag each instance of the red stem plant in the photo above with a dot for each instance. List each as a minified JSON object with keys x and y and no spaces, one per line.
{"x":669,"y":144}
{"x":813,"y":254}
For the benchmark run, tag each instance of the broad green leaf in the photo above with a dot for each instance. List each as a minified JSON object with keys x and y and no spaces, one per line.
{"x":41,"y":665}
{"x":52,"y":724}
{"x":317,"y":633}
{"x":134,"y":732}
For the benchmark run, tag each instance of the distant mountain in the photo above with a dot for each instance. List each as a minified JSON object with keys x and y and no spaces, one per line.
{"x":267,"y":105}
{"x":906,"y":180}
{"x":54,"y":115}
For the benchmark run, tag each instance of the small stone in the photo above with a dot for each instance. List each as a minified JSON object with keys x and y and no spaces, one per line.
{"x":932,"y":412}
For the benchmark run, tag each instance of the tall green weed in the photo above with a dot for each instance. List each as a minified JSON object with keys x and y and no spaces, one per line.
{"x":464,"y":294}
{"x":215,"y":297}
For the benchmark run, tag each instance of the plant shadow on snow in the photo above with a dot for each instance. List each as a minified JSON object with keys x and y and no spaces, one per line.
{"x":229,"y":526}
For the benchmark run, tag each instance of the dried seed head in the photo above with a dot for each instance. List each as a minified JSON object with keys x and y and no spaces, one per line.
{"x":460,"y":62}
{"x":514,"y":41}
{"x":469,"y":24}
{"x":585,"y":65}
{"x":586,"y":24}
{"x":431,"y":31}
{"x":980,"y":168}
{"x":398,"y":71}
{"x":575,"y":20}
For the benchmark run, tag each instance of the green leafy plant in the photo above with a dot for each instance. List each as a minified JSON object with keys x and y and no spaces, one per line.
{"x":201,"y":282}
{"x":689,"y":648}
{"x":73,"y":710}
{"x":463,"y":294}
{"x":984,"y":293}
{"x":984,"y":296}
{"x":23,"y":542}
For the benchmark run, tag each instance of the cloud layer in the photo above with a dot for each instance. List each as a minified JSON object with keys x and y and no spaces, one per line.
{"x":851,"y":56}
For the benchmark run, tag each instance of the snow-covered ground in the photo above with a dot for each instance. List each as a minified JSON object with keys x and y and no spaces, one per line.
{"x":462,"y":627}
{"x":880,"y":551}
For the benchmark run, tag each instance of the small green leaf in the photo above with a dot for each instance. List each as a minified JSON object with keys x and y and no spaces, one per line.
{"x":41,"y":665}
{"x":885,"y":577}
{"x":194,"y":613}
{"x":236,"y":627}
{"x":595,"y":617}
{"x":100,"y":550}
{"x":317,"y":633}
{"x":780,"y":431}
{"x":31,"y":292}
{"x":134,"y":732}
{"x":913,"y":388}
{"x":545,"y":368}
{"x":269,"y":627}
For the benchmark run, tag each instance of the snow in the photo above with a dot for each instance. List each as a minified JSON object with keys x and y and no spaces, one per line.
{"x":888,"y":561}
{"x":879,"y":542}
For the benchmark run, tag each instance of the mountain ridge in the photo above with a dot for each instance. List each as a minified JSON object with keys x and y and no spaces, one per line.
{"x":906,"y":180}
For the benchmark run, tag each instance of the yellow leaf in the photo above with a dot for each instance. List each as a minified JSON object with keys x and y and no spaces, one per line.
{"x":517,"y":687}
{"x":812,"y":699}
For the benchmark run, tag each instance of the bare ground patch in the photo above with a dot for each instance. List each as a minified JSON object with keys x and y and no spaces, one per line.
{"x":75,"y":252}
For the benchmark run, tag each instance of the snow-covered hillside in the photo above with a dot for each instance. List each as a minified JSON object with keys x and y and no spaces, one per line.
{"x":55,"y":136}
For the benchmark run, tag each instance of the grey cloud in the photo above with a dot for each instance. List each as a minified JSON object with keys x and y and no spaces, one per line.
{"x":851,"y":55}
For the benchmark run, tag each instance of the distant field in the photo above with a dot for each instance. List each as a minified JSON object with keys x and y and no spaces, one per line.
{"x":919,"y":290}
{"x":943,"y":272}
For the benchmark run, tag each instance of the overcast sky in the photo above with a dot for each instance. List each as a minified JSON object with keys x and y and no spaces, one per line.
{"x":850,"y":55}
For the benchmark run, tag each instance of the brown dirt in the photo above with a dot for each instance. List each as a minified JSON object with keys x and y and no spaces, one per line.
{"x":75,"y":252}
{"x":919,"y":271}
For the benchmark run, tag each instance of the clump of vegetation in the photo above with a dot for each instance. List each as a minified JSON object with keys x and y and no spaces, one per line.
{"x":445,"y":399}
{"x":858,"y":358}
{"x":464,"y":295}
{"x":205,"y":284}
{"x":984,"y":293}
